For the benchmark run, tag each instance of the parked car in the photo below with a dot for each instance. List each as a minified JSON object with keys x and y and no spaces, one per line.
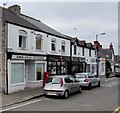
{"x":62,"y":85}
{"x":117,"y":70}
{"x":87,"y":80}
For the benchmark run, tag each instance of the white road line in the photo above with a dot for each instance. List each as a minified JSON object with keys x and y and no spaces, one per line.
{"x":21,"y":105}
{"x":109,"y":79}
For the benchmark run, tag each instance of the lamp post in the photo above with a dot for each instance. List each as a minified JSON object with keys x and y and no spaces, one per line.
{"x":97,"y":60}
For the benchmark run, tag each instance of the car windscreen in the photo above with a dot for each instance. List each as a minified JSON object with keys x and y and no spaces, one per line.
{"x":80,"y":76}
{"x":56,"y":80}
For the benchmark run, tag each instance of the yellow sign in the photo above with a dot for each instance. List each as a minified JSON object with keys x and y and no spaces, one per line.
{"x":117,"y":110}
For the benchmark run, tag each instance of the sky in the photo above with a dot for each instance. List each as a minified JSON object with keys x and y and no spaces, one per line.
{"x":76,"y":18}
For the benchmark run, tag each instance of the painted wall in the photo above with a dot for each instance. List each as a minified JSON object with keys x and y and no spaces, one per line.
{"x":13,"y":41}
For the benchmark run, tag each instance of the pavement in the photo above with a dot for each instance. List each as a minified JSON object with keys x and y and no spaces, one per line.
{"x":21,"y":96}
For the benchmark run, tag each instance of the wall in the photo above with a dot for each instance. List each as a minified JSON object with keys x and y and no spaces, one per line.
{"x":0,"y":49}
{"x":13,"y":42}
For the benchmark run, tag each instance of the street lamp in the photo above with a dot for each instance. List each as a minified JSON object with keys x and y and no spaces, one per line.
{"x":97,"y":60}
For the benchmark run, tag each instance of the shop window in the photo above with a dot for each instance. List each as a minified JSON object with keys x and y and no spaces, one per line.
{"x":22,"y":39}
{"x":102,"y":67}
{"x":39,"y":71}
{"x":17,"y":73}
{"x":39,"y":42}
{"x":75,"y":49}
{"x":31,"y":72}
{"x":63,"y":46}
{"x":88,"y":68}
{"x":53,"y":44}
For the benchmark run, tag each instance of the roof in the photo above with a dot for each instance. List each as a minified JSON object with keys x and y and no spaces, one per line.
{"x":30,"y":23}
{"x":44,"y":27}
{"x":105,"y":53}
{"x":12,"y":18}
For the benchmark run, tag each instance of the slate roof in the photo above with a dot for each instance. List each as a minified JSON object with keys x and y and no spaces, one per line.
{"x":44,"y":27}
{"x":12,"y":18}
{"x":105,"y":53}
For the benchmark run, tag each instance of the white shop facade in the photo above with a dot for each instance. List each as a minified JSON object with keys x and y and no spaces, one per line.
{"x":25,"y":71}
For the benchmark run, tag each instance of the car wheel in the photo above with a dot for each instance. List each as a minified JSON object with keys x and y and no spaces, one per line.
{"x":99,"y":84}
{"x":80,"y":89}
{"x":90,"y":86}
{"x":66,"y":94}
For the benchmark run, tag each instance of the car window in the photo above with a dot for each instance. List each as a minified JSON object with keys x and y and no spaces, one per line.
{"x":90,"y":76}
{"x":67,"y":80}
{"x":49,"y":80}
{"x":80,"y":76}
{"x":72,"y":79}
{"x":56,"y":80}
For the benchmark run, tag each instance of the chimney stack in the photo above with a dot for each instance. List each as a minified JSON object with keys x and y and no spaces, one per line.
{"x":15,"y":9}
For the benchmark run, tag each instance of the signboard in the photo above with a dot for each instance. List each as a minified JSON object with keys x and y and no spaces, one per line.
{"x":93,"y":60}
{"x":25,"y":57}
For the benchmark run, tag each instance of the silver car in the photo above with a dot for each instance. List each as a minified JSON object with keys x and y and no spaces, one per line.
{"x":87,"y":80}
{"x":62,"y":85}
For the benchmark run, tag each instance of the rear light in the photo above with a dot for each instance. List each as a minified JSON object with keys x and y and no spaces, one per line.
{"x":61,"y":82}
{"x":86,"y":80}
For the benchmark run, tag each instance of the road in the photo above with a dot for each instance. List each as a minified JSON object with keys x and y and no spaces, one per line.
{"x":104,"y":98}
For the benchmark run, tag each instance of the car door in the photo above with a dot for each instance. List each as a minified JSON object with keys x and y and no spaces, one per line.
{"x":73,"y":84}
{"x":68,"y":84}
{"x":91,"y":79}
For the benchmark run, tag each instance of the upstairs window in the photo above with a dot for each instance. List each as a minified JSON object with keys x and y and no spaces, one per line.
{"x":83,"y":51}
{"x":89,"y":52}
{"x":53,"y":44}
{"x":63,"y":46}
{"x":75,"y":49}
{"x":39,"y":42}
{"x":22,"y":38}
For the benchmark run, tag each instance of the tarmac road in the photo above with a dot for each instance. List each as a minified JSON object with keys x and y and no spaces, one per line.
{"x":104,"y":98}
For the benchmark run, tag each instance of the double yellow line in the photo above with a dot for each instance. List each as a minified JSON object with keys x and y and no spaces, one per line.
{"x":117,"y":110}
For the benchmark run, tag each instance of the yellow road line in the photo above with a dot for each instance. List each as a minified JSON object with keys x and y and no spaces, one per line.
{"x":117,"y":110}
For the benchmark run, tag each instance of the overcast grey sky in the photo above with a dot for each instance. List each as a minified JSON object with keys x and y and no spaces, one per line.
{"x":89,"y":19}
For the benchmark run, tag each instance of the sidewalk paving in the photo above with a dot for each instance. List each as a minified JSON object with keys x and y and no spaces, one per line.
{"x":21,"y":96}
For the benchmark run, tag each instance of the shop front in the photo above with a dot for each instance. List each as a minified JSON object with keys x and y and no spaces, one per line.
{"x":25,"y":71}
{"x":58,"y":65}
{"x":78,"y":65}
{"x":91,"y":66}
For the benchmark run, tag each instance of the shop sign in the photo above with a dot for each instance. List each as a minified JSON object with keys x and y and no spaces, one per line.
{"x":25,"y":57}
{"x":82,"y":59}
{"x":93,"y":60}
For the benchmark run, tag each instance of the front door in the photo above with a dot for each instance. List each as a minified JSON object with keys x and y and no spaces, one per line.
{"x":40,"y":69}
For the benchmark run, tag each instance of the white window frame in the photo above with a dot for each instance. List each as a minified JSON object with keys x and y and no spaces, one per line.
{"x":16,"y":62}
{"x":23,"y":34}
{"x":53,"y":41}
{"x":63,"y":44}
{"x":40,"y":36}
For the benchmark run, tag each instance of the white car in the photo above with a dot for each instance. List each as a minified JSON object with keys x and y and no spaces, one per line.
{"x":87,"y":80}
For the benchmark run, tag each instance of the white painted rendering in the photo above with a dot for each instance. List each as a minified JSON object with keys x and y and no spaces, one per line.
{"x":13,"y":34}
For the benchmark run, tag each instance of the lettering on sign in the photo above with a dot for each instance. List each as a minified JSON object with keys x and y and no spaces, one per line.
{"x":25,"y":57}
{"x":93,"y":60}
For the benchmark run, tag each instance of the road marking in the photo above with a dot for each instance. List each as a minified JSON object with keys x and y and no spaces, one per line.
{"x":117,"y":110}
{"x":21,"y":105}
{"x":109,"y":79}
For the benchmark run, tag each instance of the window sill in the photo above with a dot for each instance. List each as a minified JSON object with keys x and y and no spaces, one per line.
{"x":17,"y":84}
{"x":53,"y":52}
{"x":38,"y":50}
{"x":23,"y":49}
